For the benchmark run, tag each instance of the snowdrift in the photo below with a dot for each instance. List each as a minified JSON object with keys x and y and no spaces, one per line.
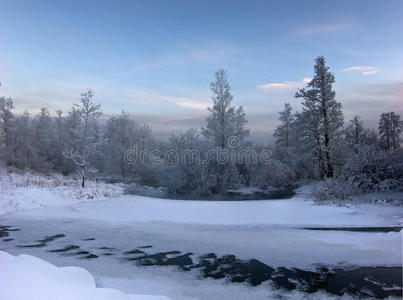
{"x":27,"y":277}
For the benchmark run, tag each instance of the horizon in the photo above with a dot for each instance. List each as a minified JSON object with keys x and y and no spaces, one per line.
{"x":156,"y":60}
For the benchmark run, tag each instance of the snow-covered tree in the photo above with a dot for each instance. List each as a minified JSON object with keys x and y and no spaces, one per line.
{"x":390,"y":128}
{"x":25,"y":153}
{"x":356,"y":135}
{"x":324,"y":112}
{"x":183,"y":173}
{"x":282,"y":133}
{"x":225,"y":121}
{"x":220,"y":123}
{"x":6,"y":117}
{"x":84,"y":139}
{"x":240,"y":121}
{"x":43,"y":138}
{"x":59,"y":141}
{"x":121,"y":134}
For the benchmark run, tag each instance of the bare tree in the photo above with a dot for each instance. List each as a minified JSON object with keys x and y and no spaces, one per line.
{"x":85,"y":142}
{"x":390,"y":128}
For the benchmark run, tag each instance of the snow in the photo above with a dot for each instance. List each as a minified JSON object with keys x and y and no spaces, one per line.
{"x":295,"y":212}
{"x":268,"y":230}
{"x":39,"y":196}
{"x":28,"y":191}
{"x":28,"y":277}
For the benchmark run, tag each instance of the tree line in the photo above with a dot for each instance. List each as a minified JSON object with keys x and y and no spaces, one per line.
{"x":312,"y":143}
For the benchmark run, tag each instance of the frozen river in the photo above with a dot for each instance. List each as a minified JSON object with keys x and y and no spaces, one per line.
{"x":218,"y":250}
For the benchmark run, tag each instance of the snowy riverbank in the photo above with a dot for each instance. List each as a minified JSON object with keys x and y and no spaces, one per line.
{"x":27,"y":191}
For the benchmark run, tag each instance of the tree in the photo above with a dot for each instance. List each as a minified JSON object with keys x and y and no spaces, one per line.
{"x":282,"y":133}
{"x":59,"y":141}
{"x":7,"y":117}
{"x":121,"y":135}
{"x":84,"y":138}
{"x":25,"y":151}
{"x":239,"y":124}
{"x":183,"y":173}
{"x":43,"y":138}
{"x":220,"y":125}
{"x":225,"y":121}
{"x":323,"y":110}
{"x":390,"y":128}
{"x":308,"y":143}
{"x":356,"y":135}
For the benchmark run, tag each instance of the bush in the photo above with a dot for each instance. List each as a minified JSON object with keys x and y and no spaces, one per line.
{"x":335,"y":189}
{"x":371,"y":170}
{"x":279,"y":174}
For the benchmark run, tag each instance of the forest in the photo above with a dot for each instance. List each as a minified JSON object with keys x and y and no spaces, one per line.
{"x":314,"y":143}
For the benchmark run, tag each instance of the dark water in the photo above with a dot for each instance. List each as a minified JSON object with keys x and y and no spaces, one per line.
{"x":379,"y":282}
{"x":358,"y":229}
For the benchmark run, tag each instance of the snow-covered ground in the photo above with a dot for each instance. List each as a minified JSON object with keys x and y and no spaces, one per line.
{"x":271,"y":231}
{"x":28,"y":190}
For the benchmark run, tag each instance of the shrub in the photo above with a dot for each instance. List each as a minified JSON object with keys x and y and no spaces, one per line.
{"x":373,"y":170}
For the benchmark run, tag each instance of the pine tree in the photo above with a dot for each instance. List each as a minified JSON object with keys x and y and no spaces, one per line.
{"x":282,"y":133}
{"x":318,"y":100}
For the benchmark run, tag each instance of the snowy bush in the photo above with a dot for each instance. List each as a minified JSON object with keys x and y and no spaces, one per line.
{"x":373,"y":170}
{"x":13,"y":181}
{"x":335,"y":189}
{"x":278,"y":174}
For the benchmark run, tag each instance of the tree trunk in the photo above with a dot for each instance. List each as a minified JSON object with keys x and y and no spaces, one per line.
{"x":330,"y":169}
{"x":83,"y":178}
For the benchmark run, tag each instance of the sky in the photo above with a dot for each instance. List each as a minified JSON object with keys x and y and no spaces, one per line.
{"x":155,"y":59}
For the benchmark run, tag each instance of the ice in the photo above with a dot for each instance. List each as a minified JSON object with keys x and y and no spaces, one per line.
{"x":297,"y":211}
{"x":271,"y":231}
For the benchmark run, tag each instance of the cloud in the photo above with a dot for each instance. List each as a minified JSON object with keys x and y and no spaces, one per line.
{"x":285,"y":85}
{"x":323,"y":29}
{"x":113,"y":98}
{"x":200,"y":51}
{"x":136,"y":95}
{"x":364,"y":70}
{"x":371,"y":100}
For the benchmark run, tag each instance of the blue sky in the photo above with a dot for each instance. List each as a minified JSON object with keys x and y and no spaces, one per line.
{"x":156,"y":59}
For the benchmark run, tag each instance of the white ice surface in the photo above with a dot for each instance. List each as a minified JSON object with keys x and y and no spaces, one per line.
{"x":298,"y":211}
{"x":265,"y":230}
